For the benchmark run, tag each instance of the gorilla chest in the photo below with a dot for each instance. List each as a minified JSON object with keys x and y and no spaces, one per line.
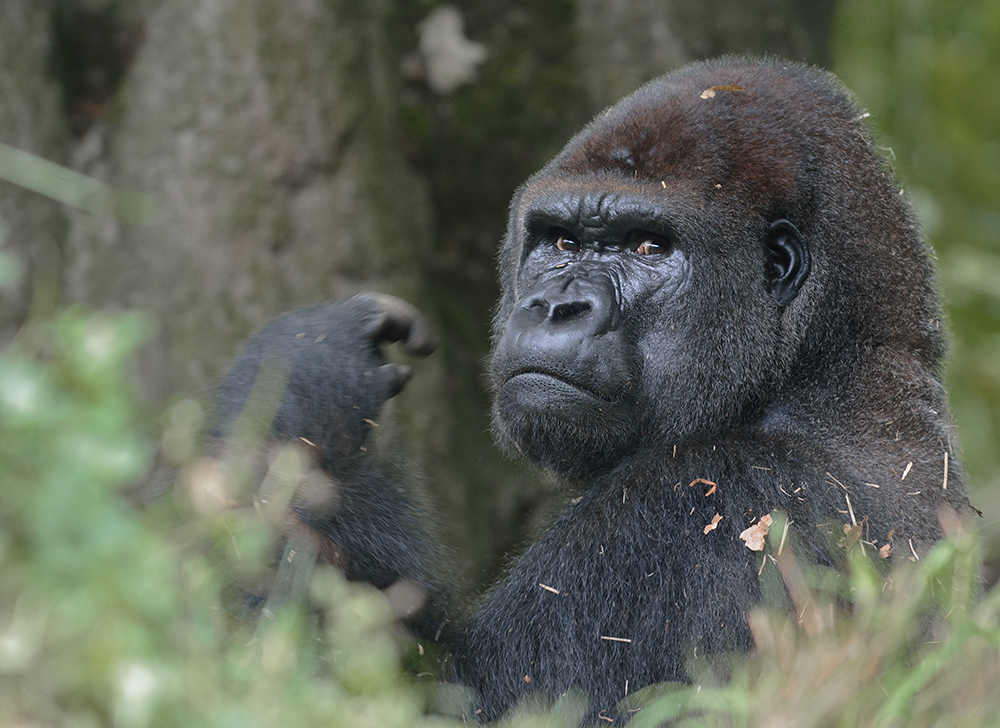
{"x":628,"y":578}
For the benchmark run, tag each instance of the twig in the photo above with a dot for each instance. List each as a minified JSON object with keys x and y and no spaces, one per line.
{"x":830,"y":476}
{"x":783,"y":535}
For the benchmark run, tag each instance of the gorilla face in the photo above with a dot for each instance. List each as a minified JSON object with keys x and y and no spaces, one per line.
{"x":627,"y":304}
{"x":651,"y":277}
{"x":594,"y":267}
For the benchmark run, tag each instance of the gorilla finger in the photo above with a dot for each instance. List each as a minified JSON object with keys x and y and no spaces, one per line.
{"x":395,"y":377}
{"x":398,"y":320}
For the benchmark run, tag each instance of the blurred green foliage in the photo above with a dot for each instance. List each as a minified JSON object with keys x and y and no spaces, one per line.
{"x":114,"y":615}
{"x":927,"y":71}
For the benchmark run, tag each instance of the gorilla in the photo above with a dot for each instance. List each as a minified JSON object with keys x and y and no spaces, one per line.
{"x":716,"y":304}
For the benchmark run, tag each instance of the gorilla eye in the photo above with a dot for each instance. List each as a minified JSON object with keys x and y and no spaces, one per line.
{"x":649,"y":244}
{"x":564,"y":242}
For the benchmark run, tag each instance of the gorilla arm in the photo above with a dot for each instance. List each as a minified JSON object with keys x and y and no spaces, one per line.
{"x":318,"y":377}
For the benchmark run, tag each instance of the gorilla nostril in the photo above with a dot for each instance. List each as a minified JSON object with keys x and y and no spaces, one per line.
{"x":537,"y":309}
{"x":569,"y":311}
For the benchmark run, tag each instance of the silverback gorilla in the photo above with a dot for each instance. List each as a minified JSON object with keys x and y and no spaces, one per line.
{"x":715,"y":304}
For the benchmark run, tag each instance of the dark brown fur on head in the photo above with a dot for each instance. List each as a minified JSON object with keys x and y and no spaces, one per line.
{"x":740,"y":142}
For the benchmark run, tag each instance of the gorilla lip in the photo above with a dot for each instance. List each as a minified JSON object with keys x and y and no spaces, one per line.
{"x":552,"y":375}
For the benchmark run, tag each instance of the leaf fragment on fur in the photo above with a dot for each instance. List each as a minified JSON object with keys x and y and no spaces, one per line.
{"x":714,"y":524}
{"x":709,"y":93}
{"x":753,"y":536}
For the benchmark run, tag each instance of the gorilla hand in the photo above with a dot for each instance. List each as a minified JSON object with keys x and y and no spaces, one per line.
{"x":320,"y":375}
{"x":387,"y":319}
{"x":324,"y":371}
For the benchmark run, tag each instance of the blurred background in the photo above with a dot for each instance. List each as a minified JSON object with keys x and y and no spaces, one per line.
{"x":265,"y":155}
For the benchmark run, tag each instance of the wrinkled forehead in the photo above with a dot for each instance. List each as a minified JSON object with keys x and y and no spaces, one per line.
{"x":603,"y":202}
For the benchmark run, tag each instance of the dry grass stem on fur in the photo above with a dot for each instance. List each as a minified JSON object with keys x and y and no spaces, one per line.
{"x":784,"y":535}
{"x":700,"y":480}
{"x":850,"y":510}
{"x":837,"y":482}
{"x":548,"y":588}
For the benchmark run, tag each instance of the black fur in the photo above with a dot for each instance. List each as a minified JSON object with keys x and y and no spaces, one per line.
{"x":717,"y":280}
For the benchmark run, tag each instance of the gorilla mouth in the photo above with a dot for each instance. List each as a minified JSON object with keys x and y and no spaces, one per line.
{"x":538,"y":378}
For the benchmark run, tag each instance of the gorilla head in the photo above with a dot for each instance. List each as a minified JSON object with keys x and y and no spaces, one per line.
{"x":721,"y":248}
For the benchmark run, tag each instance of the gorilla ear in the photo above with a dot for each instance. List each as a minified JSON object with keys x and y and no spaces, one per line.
{"x":787,"y":261}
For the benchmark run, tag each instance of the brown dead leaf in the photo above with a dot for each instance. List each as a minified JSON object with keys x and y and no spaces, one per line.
{"x":709,"y":93}
{"x":754,"y":535}
{"x":885,"y":551}
{"x":714,"y":524}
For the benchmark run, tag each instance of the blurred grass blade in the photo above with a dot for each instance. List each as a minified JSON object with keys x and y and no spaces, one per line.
{"x":72,"y":188}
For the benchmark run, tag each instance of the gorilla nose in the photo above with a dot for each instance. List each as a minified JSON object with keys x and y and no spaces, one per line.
{"x":586,"y":305}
